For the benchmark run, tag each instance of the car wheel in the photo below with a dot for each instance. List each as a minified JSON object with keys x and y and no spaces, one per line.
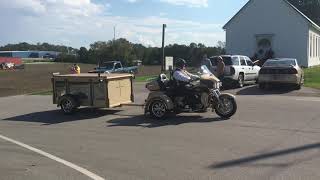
{"x":298,"y":86}
{"x":241,"y":80}
{"x":262,"y":86}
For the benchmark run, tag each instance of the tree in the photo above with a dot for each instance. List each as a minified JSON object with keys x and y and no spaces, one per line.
{"x":309,"y":7}
{"x":123,"y":50}
{"x":36,"y":47}
{"x":221,"y":44}
{"x":83,"y":55}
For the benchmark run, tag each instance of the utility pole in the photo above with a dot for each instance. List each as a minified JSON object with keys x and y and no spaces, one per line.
{"x":163,"y":64}
{"x":114,"y":33}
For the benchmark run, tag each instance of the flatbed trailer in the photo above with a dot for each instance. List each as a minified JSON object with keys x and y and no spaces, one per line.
{"x":71,"y":91}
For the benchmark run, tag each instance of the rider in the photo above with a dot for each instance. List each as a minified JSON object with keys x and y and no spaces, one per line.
{"x":183,"y":79}
{"x":181,"y":74}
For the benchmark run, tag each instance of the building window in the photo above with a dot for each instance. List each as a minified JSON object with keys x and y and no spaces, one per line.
{"x":314,"y":45}
{"x":318,"y":48}
{"x":317,"y":44}
{"x":310,"y":45}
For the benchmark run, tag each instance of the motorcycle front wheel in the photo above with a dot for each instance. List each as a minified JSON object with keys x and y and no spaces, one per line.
{"x":227,"y":106}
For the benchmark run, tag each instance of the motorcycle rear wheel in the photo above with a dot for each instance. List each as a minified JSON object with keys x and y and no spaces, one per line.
{"x":158,"y":109}
{"x":227,"y":106}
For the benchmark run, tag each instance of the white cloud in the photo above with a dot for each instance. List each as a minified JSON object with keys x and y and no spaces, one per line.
{"x":189,"y":3}
{"x":76,"y":2}
{"x":79,"y":23}
{"x":132,"y":1}
{"x":27,"y":6}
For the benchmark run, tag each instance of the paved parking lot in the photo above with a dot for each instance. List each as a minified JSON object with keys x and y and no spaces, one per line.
{"x":273,"y":136}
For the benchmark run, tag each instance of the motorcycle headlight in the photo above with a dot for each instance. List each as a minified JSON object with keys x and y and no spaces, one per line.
{"x":218,"y":85}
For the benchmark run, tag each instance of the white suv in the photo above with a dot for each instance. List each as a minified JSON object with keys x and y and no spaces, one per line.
{"x":239,"y":69}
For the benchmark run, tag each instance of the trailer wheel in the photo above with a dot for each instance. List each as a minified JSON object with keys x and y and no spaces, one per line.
{"x":68,"y":104}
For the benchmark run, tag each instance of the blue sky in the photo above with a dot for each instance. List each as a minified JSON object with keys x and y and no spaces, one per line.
{"x":81,"y":22}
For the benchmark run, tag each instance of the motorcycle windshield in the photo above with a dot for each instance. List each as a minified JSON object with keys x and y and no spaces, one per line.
{"x":204,"y":70}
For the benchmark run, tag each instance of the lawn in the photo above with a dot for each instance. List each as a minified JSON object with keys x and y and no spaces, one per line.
{"x":312,"y":77}
{"x":144,"y":78}
{"x":34,"y":78}
{"x":148,"y":78}
{"x":42,"y":93}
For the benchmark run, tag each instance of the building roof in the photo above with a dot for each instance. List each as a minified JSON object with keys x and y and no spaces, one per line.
{"x":312,"y":23}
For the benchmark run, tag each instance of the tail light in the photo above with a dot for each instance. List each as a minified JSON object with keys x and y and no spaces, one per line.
{"x":232,"y":71}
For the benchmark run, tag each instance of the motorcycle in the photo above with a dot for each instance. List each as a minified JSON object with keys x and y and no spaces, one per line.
{"x":165,"y":97}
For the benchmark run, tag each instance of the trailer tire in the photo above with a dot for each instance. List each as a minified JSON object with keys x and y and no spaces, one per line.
{"x":68,"y":104}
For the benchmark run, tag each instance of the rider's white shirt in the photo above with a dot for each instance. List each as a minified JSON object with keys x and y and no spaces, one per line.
{"x":183,"y":76}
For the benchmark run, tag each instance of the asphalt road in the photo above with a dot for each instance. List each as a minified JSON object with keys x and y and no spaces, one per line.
{"x":273,"y":136}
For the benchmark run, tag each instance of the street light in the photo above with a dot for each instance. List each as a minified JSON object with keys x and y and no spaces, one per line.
{"x":163,"y":58}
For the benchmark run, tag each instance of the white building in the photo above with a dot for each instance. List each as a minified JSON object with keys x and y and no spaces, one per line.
{"x":262,"y":25}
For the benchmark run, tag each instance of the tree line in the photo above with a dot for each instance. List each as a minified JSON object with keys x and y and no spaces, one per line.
{"x":38,"y":47}
{"x":310,"y":8}
{"x":123,"y":50}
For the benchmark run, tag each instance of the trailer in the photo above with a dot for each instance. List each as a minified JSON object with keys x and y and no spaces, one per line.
{"x":71,"y":91}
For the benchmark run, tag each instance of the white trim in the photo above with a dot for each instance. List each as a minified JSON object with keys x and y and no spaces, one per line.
{"x":55,"y":158}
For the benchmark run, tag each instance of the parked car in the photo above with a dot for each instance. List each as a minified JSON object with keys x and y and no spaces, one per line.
{"x":281,"y":71}
{"x":7,"y":65}
{"x":239,"y":70}
{"x":114,"y":67}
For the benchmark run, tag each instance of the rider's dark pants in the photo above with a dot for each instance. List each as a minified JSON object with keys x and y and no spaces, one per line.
{"x":183,"y":91}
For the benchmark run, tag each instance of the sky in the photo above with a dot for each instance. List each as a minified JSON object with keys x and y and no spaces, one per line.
{"x":79,"y":23}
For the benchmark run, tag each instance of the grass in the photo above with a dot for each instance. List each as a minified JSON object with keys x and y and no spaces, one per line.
{"x":42,"y":93}
{"x":34,"y":78}
{"x":312,"y":77}
{"x":40,"y":62}
{"x":144,"y":78}
{"x":148,"y":78}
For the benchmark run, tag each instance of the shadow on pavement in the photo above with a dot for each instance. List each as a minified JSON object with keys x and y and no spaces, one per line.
{"x":56,"y":116}
{"x":254,"y":90}
{"x":252,"y":159}
{"x":143,"y":121}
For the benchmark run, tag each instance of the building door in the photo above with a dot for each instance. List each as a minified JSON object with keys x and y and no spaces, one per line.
{"x":264,"y":47}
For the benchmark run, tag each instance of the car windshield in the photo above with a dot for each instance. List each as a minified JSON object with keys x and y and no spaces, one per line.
{"x":228,"y":61}
{"x":107,"y":65}
{"x":280,"y":63}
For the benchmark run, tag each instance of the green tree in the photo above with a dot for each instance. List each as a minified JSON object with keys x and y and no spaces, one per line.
{"x":123,"y":50}
{"x":83,"y":55}
{"x":310,"y":8}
